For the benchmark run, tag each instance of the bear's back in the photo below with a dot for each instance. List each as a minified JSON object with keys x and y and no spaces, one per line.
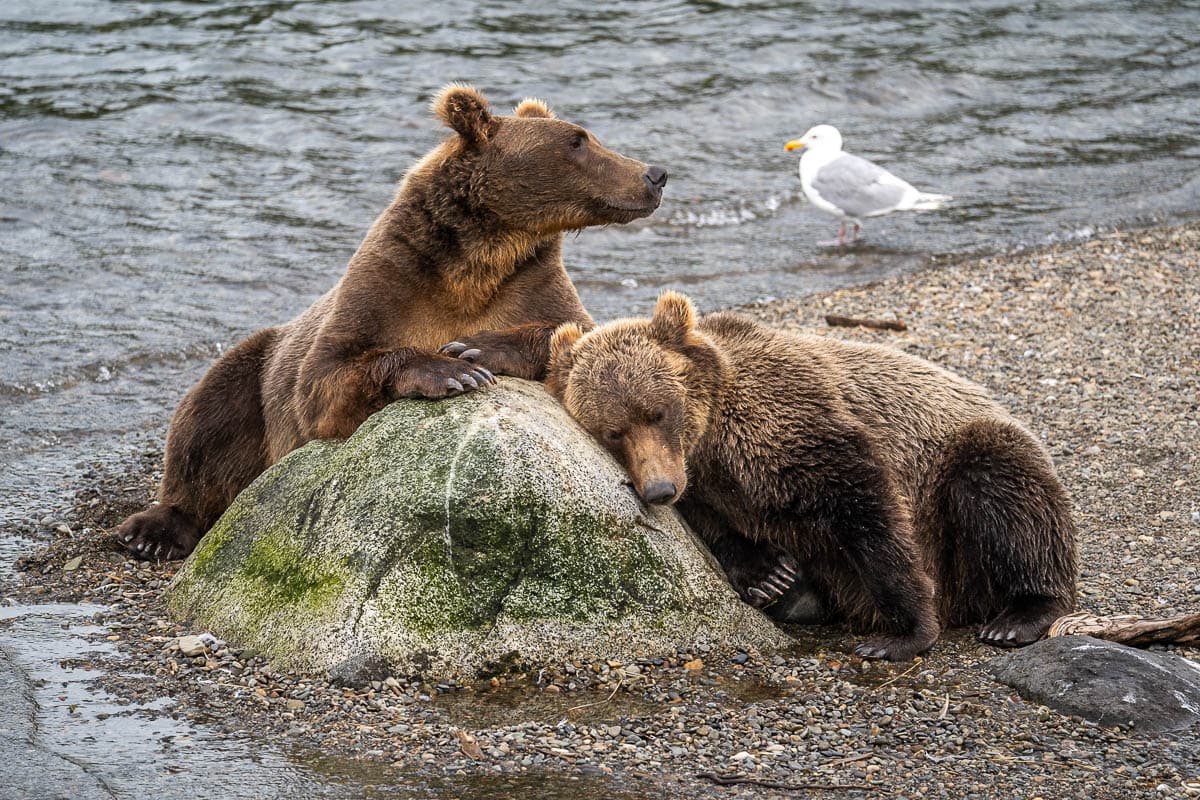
{"x":910,"y":406}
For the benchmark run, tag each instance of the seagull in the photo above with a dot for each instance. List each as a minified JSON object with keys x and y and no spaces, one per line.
{"x":850,"y":187}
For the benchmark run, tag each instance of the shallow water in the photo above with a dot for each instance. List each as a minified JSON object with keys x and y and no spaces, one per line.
{"x":63,"y":734}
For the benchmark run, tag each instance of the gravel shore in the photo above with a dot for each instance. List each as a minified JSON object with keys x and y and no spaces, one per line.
{"x":1096,"y":346}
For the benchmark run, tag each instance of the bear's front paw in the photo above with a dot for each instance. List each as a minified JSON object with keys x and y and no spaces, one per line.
{"x":1023,"y":622}
{"x":435,"y":377}
{"x":490,"y":351}
{"x":769,"y":588}
{"x":896,"y":648}
{"x":160,"y":533}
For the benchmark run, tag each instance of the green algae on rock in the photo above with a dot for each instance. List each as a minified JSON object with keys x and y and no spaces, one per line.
{"x":455,"y":538}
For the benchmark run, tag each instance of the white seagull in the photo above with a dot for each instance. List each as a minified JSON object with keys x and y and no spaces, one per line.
{"x":850,"y":187}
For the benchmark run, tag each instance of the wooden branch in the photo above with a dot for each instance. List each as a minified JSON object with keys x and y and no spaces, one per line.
{"x":1129,"y":629}
{"x":855,"y":322}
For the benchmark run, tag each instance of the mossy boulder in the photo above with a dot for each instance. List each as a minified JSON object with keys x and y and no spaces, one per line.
{"x":454,"y":539}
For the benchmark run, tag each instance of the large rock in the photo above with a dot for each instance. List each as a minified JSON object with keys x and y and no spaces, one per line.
{"x":1105,"y":682}
{"x":453,"y":539}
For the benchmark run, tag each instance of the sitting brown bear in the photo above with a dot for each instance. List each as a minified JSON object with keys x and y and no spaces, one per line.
{"x":910,"y":498}
{"x":469,"y":249}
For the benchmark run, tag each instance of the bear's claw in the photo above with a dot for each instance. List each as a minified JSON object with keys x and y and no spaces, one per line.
{"x":440,"y":376}
{"x":160,"y":533}
{"x":463,"y":351}
{"x":899,"y":648}
{"x":889,"y":649}
{"x":774,"y":584}
{"x":1021,"y":624}
{"x":497,"y":350}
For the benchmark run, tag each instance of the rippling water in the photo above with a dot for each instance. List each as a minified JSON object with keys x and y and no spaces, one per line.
{"x":177,"y":174}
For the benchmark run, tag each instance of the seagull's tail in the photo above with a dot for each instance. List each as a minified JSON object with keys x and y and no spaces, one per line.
{"x":930,"y":202}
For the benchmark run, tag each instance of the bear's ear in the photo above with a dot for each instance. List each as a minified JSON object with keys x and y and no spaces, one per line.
{"x":532,"y":107}
{"x":464,"y":109}
{"x":562,"y":357}
{"x":674,"y":318}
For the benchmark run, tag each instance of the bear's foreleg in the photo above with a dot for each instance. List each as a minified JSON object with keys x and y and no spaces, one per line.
{"x":758,"y":571}
{"x":215,"y":448}
{"x":340,"y":393}
{"x":764,"y":575}
{"x":1003,"y":524}
{"x":856,"y":533}
{"x":522,"y":352}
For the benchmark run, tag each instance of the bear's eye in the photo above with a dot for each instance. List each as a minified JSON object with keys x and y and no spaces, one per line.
{"x":578,"y":141}
{"x":657,"y":417}
{"x":613,"y":436}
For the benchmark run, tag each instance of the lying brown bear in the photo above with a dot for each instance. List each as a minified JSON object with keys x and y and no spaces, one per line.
{"x":910,"y":498}
{"x":470,"y":249}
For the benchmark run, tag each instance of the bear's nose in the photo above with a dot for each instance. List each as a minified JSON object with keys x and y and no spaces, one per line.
{"x":658,"y":492}
{"x":656,"y":177}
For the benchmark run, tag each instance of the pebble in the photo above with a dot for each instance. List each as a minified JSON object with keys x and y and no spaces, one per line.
{"x":191,"y":646}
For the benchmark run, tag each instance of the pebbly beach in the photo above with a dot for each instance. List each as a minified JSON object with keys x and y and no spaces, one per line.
{"x":1094,"y":345}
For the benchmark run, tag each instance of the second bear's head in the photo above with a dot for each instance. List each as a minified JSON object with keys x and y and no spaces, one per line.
{"x":535,"y":173}
{"x":644,"y":388}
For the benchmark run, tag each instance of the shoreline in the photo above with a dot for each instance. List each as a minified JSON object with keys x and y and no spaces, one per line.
{"x":1094,"y":345}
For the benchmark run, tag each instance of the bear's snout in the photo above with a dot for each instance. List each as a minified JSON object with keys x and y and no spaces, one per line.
{"x":659,"y":492}
{"x":655,"y":177}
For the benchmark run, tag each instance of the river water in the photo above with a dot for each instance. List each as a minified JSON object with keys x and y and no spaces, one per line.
{"x":178,"y":174}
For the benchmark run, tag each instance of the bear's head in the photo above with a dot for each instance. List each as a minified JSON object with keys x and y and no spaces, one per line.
{"x":537,"y":174}
{"x":644,"y":388}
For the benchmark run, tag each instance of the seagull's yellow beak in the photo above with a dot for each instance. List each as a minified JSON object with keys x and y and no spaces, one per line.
{"x":794,"y":144}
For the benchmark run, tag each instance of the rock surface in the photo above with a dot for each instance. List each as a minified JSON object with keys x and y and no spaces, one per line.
{"x":454,"y":539}
{"x":1105,"y":682}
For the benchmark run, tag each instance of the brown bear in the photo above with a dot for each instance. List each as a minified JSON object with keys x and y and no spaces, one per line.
{"x":909,"y":497}
{"x":470,"y":249}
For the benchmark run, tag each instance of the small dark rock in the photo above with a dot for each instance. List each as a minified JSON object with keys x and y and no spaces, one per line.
{"x":359,"y":671}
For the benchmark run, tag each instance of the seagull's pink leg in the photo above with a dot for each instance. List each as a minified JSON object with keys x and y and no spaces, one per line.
{"x":841,"y":240}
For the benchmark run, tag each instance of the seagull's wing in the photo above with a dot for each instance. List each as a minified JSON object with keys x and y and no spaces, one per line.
{"x":858,"y":187}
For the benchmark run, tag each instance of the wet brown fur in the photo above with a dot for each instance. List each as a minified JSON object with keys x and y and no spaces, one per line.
{"x":908,"y":497}
{"x":468,"y":250}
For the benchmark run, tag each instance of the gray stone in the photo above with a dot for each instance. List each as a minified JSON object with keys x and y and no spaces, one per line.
{"x":453,"y":539}
{"x":1105,"y":682}
{"x":191,"y":646}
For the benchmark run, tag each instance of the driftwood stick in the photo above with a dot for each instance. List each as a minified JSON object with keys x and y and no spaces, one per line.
{"x":732,"y":780}
{"x":855,"y":322}
{"x":1129,"y":629}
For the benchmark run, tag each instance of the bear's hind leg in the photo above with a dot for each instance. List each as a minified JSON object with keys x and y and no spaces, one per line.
{"x":1005,"y":529}
{"x":216,"y":445}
